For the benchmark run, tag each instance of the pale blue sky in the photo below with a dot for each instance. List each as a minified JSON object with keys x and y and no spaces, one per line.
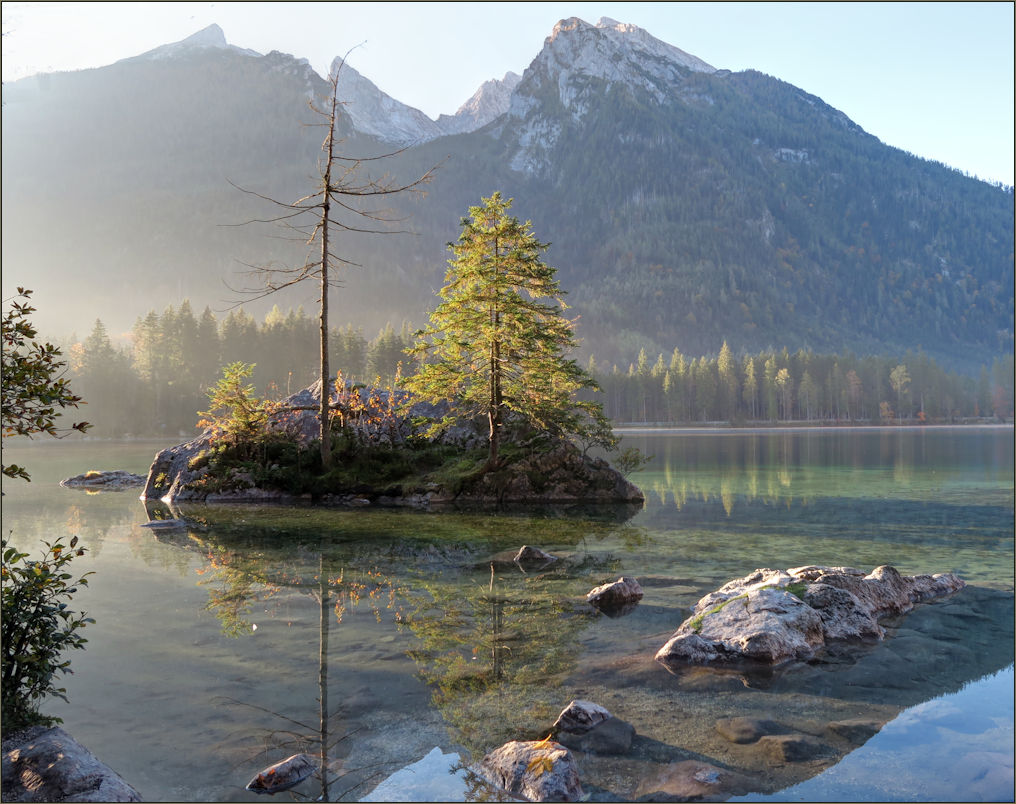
{"x":935,"y":79}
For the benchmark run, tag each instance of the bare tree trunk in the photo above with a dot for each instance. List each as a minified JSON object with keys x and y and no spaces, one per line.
{"x":324,"y":428}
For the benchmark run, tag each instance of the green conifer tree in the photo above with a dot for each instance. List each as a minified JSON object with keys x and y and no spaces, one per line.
{"x":493,"y":345}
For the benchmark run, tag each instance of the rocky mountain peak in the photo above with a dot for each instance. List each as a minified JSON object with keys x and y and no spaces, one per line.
{"x":575,"y":52}
{"x":210,"y":38}
{"x":376,"y":113}
{"x":490,"y":101}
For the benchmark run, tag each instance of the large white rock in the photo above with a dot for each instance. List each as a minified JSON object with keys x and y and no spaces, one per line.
{"x":774,"y":616}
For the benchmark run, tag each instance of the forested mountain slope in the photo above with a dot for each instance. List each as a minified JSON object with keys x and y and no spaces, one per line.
{"x":685,"y":205}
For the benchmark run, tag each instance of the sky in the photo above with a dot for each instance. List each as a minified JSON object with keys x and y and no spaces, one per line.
{"x":935,"y":79}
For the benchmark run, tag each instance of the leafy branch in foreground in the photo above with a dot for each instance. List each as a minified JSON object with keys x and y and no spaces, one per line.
{"x":37,"y":628}
{"x":33,"y":388}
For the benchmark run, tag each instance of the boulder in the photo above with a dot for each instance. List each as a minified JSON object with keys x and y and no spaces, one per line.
{"x":772,"y":616}
{"x":532,"y":554}
{"x":115,"y":480}
{"x":50,"y":765}
{"x":283,"y":775}
{"x":579,"y":717}
{"x":586,"y":726}
{"x":534,"y":771}
{"x":617,"y":594}
{"x":612,"y":736}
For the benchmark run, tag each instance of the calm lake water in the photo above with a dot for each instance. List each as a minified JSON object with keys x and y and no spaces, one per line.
{"x":213,"y":642}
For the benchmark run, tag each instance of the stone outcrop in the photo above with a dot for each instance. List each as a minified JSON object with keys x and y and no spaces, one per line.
{"x":116,"y":480}
{"x":534,"y":771}
{"x":772,"y":616}
{"x":620,"y":594}
{"x":589,"y":727}
{"x":560,"y":474}
{"x":47,"y":764}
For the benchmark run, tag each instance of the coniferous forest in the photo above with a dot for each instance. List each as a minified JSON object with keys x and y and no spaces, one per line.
{"x":156,"y":385}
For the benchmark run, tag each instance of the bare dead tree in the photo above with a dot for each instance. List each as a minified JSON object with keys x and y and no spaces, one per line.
{"x":346,"y":186}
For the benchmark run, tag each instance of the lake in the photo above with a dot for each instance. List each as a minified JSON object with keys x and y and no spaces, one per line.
{"x":213,"y":642}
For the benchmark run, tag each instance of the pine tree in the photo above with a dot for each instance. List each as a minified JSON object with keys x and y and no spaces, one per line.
{"x":492,"y":345}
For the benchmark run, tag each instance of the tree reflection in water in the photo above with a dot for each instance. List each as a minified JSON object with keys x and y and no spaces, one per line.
{"x":236,"y":580}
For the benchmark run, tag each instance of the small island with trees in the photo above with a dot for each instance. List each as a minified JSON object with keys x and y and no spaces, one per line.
{"x":492,"y":416}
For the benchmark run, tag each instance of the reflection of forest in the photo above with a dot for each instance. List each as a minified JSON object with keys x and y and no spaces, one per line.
{"x":796,"y":468}
{"x":491,"y":638}
{"x":503,"y":650}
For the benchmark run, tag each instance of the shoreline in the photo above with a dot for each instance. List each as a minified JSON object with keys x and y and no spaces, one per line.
{"x":721,"y":429}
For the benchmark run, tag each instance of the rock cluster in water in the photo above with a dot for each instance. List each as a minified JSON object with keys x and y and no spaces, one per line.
{"x":772,"y":616}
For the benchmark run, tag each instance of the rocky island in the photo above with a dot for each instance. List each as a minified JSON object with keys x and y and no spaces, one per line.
{"x":382,"y":457}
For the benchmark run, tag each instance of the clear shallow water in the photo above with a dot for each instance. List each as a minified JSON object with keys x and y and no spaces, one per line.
{"x":204,"y":665}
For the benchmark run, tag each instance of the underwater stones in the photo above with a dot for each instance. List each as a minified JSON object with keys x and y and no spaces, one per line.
{"x":791,"y":747}
{"x":621,"y":594}
{"x":744,"y":730}
{"x":856,"y":731}
{"x":772,"y":616}
{"x":693,"y":780}
{"x":534,"y":771}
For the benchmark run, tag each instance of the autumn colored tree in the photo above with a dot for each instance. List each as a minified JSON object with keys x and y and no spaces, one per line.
{"x":497,"y":342}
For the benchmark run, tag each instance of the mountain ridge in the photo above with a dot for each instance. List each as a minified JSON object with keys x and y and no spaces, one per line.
{"x":686,"y":205}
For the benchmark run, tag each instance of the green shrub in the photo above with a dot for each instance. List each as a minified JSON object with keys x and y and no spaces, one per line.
{"x":37,"y":628}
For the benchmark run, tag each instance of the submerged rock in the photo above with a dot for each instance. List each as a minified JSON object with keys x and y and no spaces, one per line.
{"x":745,"y":730}
{"x":534,"y":554}
{"x":617,"y":594}
{"x":283,"y":775}
{"x":534,"y":771}
{"x":115,"y":480}
{"x":693,"y":780}
{"x":772,"y":616}
{"x":586,"y":726}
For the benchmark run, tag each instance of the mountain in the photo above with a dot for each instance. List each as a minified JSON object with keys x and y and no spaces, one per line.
{"x":211,"y":37}
{"x":488,"y":103}
{"x":376,"y":114}
{"x":685,"y":204}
